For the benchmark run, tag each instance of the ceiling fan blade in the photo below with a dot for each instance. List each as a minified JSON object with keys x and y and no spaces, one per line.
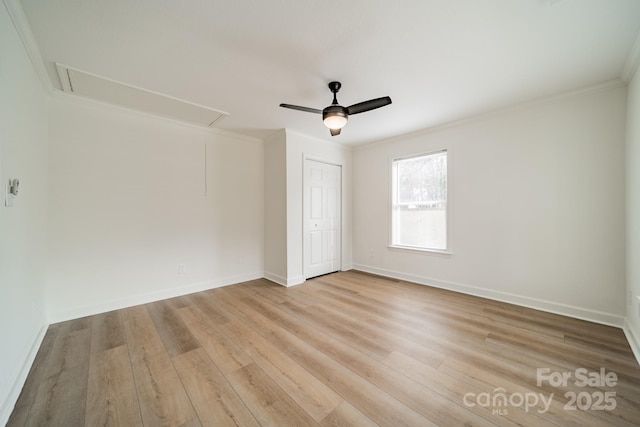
{"x":335,"y":132}
{"x":297,"y":107}
{"x":372,"y":104}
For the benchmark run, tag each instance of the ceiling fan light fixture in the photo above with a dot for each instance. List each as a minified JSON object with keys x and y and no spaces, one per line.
{"x":334,"y":117}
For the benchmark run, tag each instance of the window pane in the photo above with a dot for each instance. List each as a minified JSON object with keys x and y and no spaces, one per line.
{"x":422,"y":227}
{"x":423,"y":179}
{"x":419,"y":217}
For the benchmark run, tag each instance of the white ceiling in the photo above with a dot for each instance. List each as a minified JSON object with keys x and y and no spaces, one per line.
{"x":439,"y":60}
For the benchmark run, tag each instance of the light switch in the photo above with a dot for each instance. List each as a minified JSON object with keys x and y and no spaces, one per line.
{"x":8,"y":197}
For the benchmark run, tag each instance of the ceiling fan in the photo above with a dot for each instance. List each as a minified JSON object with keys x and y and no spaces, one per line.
{"x":335,"y":115}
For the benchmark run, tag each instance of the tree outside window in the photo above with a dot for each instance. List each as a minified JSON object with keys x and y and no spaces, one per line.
{"x":419,"y":205}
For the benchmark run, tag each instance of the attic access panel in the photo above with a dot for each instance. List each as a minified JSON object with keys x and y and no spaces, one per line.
{"x":106,"y":90}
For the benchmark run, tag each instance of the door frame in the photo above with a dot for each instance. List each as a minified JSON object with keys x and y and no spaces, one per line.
{"x":318,"y":159}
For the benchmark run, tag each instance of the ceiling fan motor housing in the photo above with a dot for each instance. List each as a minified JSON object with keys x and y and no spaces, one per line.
{"x":335,"y":116}
{"x":334,"y":110}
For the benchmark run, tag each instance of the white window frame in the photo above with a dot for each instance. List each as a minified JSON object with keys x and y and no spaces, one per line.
{"x":392,"y":245}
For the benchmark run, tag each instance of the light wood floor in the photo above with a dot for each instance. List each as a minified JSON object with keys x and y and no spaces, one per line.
{"x":345,"y":349}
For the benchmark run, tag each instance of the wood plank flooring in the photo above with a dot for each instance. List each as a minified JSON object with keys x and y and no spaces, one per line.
{"x":340,"y":350}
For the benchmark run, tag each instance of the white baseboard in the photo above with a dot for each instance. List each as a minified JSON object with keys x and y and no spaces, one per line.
{"x":283,"y":281}
{"x":604,"y":318}
{"x":298,"y":280}
{"x":131,"y":301}
{"x":14,"y":393}
{"x":633,"y":338}
{"x":276,"y":278}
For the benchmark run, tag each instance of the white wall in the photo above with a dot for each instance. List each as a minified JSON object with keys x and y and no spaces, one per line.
{"x":633,"y":213}
{"x":23,"y":155}
{"x":538,"y":206}
{"x":129,"y":202}
{"x":275,"y":207}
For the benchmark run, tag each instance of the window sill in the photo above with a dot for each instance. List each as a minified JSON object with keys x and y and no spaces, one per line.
{"x":423,"y":250}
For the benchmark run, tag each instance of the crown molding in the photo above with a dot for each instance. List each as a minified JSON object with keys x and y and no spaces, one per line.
{"x":633,"y":61}
{"x":21,"y":24}
{"x":589,"y":90}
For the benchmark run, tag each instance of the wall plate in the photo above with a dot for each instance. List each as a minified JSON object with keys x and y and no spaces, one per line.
{"x":8,"y":197}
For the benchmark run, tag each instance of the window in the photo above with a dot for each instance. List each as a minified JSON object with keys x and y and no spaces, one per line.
{"x":419,"y":202}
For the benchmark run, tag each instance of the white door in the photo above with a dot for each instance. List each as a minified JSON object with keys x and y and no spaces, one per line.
{"x":322,"y":218}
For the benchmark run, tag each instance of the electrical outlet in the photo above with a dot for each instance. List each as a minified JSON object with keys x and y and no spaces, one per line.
{"x":372,"y":253}
{"x":181,"y":269}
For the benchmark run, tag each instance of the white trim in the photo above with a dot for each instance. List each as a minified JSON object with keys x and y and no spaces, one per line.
{"x":417,"y":249}
{"x":283,"y":281}
{"x":519,"y":106}
{"x":63,"y":74}
{"x":67,"y":97}
{"x":430,"y":150}
{"x":319,"y":159}
{"x":21,"y":24}
{"x":148,"y":297}
{"x":633,"y":338}
{"x":17,"y":384}
{"x":276,"y":278}
{"x":596,"y":316}
{"x":633,"y":61}
{"x":298,"y":280}
{"x":315,"y":158}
